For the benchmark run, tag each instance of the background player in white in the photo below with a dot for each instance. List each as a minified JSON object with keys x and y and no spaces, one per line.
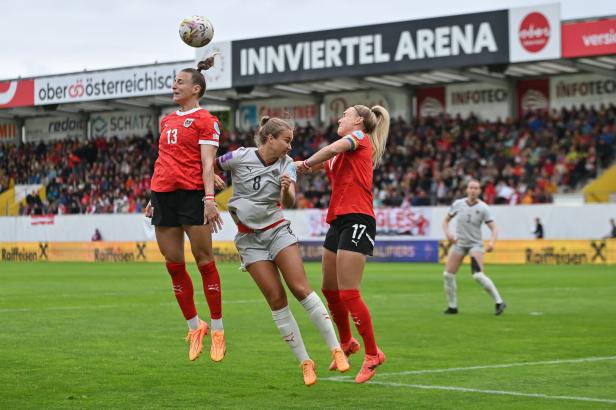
{"x":472,"y":213}
{"x":263,"y":178}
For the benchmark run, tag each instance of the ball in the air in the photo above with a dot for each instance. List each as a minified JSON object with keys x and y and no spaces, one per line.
{"x":196,"y":31}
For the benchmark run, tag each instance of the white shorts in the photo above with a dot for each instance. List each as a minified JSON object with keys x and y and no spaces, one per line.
{"x":264,"y":246}
{"x":465,"y":250}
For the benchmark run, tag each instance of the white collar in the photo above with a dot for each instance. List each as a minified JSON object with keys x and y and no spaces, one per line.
{"x":182,"y":113}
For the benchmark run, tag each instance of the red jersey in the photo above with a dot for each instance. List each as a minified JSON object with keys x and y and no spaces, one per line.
{"x":350,"y":175}
{"x":179,"y":149}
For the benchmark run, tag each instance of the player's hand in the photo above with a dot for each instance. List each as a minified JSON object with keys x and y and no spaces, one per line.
{"x":212,"y":216}
{"x":149,"y":210}
{"x":301,"y":167}
{"x":490,"y":247}
{"x":285,"y":182}
{"x":451,"y":238}
{"x":219,"y":183}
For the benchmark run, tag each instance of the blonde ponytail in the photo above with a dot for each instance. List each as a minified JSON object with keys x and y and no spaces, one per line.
{"x":378,"y":137}
{"x":376,"y":125}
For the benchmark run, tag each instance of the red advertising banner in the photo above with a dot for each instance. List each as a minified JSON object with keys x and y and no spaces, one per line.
{"x":430,"y":101}
{"x":589,"y":38}
{"x":17,"y":93}
{"x":533,"y":95}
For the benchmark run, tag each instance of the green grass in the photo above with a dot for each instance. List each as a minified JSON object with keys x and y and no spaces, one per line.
{"x":84,"y":335}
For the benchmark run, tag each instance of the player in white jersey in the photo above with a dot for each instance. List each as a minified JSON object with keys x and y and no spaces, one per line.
{"x":471,"y":213}
{"x":263,"y":178}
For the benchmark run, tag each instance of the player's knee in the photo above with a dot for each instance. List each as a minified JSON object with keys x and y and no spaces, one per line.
{"x":203,"y":256}
{"x":277,"y":300}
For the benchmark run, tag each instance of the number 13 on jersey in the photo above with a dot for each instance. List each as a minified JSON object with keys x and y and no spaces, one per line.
{"x":172,"y":136}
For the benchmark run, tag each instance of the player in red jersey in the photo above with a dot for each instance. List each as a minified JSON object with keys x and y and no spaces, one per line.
{"x":349,"y":164}
{"x":182,"y":202}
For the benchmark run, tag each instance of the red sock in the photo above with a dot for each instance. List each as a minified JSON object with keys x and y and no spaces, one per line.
{"x":339,"y":313}
{"x":183,"y":288}
{"x":361,"y":317}
{"x":212,"y":289}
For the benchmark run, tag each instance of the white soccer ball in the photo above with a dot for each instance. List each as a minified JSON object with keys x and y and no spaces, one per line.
{"x":196,"y":31}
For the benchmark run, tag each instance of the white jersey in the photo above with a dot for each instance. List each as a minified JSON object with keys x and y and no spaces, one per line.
{"x":470,"y":219}
{"x":256,"y":186}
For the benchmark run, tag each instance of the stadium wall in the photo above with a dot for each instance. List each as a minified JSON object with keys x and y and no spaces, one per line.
{"x":424,"y":223}
{"x":529,"y":252}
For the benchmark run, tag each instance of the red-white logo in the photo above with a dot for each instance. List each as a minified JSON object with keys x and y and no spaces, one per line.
{"x":534,"y":32}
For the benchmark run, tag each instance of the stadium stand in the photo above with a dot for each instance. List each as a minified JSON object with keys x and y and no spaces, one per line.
{"x":426,"y":163}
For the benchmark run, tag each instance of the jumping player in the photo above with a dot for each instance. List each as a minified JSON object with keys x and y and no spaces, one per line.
{"x":182,"y":202}
{"x":263,"y":178}
{"x":349,"y":164}
{"x":471,"y":213}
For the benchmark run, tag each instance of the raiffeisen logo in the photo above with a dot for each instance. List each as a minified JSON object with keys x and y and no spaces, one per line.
{"x":534,"y":32}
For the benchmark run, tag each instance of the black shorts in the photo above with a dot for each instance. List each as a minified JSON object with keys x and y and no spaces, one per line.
{"x":177,"y":208}
{"x":351,"y":232}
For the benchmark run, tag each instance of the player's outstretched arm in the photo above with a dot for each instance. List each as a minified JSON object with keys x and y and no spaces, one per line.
{"x":325,"y":153}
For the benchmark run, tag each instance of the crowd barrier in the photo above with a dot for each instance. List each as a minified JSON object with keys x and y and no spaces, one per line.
{"x":534,"y":252}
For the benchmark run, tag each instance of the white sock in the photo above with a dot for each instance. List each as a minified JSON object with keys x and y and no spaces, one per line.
{"x":321,"y":319}
{"x":488,"y":285}
{"x":290,"y":332}
{"x":217,"y":324}
{"x":451,"y":289}
{"x":193,"y":324}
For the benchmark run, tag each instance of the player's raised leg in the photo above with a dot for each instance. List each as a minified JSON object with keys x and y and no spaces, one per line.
{"x":171,"y":244}
{"x":484,"y":281}
{"x":201,"y":246}
{"x":265,"y":275}
{"x":350,"y":267}
{"x":290,"y":263}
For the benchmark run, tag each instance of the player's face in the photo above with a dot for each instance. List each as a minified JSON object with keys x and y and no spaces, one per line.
{"x":183,"y":87}
{"x":282,"y":145}
{"x":473,"y":190}
{"x":348,"y":122}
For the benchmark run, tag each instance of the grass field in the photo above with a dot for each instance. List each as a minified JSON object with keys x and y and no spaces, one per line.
{"x":79,"y":335}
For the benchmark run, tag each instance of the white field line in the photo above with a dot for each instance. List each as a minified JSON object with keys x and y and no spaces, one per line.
{"x":489,"y":366}
{"x":481,"y":391}
{"x":112,"y":306}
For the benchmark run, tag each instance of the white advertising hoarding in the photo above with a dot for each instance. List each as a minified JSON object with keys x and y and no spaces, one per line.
{"x":54,"y":128}
{"x":122,"y":124}
{"x":217,"y":77}
{"x":486,"y":101}
{"x":575,"y":90}
{"x":396,"y":103}
{"x":299,"y":111}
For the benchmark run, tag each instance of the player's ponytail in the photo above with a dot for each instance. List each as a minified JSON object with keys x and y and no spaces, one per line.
{"x":271,"y":126}
{"x":376,"y":125}
{"x":378,"y":137}
{"x":197,"y":77}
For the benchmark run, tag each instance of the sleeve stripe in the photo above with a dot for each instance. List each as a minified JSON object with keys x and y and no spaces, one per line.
{"x":208,"y":142}
{"x":353,"y":142}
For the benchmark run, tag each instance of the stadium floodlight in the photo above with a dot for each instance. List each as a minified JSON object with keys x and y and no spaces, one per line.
{"x":559,"y":67}
{"x":596,"y":63}
{"x":383,"y":81}
{"x":292,"y":89}
{"x":609,"y":60}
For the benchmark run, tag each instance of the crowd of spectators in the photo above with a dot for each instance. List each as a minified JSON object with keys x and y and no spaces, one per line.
{"x":427,"y":162}
{"x":105,"y":175}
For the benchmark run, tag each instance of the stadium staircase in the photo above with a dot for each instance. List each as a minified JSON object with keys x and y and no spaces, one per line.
{"x":603,"y":188}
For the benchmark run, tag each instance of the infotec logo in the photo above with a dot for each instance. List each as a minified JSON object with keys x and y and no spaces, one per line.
{"x":534,"y":32}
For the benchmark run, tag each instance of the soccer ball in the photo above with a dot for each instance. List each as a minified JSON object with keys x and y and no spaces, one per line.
{"x":196,"y":31}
